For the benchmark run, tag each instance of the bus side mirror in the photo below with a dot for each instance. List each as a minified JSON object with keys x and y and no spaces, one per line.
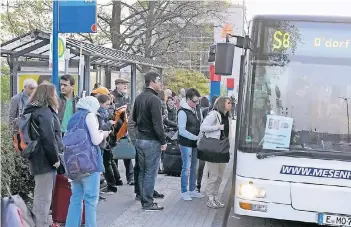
{"x":224,"y":59}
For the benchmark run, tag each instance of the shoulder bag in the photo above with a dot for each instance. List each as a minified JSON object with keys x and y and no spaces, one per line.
{"x":124,"y":149}
{"x":213,"y":149}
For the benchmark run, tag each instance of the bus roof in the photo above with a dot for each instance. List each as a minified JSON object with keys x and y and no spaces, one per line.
{"x":331,"y":19}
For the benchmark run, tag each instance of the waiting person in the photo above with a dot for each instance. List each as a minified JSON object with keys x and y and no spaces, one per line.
{"x":132,"y":133}
{"x":67,"y":101}
{"x":217,"y":125}
{"x":105,"y":124}
{"x":204,"y":103}
{"x":97,"y":85}
{"x":172,"y":109}
{"x":163,"y":97}
{"x":189,"y":128}
{"x":17,"y":106}
{"x":87,"y":188}
{"x":168,"y":92}
{"x":151,"y":138}
{"x":121,"y":99}
{"x":44,"y":160}
{"x":19,"y":102}
{"x":202,"y":163}
{"x":100,"y":91}
{"x":181,"y":97}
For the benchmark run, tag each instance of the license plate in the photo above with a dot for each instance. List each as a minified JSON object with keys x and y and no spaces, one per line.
{"x":257,"y":207}
{"x":334,"y":220}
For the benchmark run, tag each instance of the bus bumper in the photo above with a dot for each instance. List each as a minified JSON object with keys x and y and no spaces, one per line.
{"x":272,"y":210}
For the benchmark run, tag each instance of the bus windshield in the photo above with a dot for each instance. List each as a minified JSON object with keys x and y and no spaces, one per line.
{"x":298,"y":88}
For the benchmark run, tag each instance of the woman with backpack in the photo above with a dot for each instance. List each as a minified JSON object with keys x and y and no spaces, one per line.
{"x":44,"y":160}
{"x":87,"y":186}
{"x":216,"y":125}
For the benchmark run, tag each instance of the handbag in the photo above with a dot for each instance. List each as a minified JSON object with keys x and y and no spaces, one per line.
{"x":213,"y":149}
{"x":124,"y":149}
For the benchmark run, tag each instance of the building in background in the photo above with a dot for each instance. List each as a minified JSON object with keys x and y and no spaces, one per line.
{"x":233,"y":21}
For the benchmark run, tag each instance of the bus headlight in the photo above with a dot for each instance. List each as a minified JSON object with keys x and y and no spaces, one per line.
{"x":250,"y":191}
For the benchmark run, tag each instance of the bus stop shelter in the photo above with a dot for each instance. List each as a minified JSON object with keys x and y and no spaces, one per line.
{"x":28,"y":56}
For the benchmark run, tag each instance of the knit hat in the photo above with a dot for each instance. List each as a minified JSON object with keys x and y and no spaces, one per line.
{"x":101,"y":91}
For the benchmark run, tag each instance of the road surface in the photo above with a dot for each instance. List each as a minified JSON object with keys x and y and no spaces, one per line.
{"x":243,"y":221}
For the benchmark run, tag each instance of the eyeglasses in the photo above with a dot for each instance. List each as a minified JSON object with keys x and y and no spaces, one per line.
{"x":195,"y":101}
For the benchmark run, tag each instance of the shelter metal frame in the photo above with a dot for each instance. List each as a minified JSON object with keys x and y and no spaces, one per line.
{"x":33,"y":48}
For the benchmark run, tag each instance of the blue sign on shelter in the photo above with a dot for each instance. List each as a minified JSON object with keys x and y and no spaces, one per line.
{"x":77,"y":16}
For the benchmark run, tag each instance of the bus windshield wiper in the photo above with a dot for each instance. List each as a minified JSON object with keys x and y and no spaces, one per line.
{"x":292,"y":151}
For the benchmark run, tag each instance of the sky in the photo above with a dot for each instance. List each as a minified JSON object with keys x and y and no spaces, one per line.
{"x":300,"y":7}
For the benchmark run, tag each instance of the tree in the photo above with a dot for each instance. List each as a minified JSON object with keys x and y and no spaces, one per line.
{"x":182,"y":78}
{"x":150,"y":29}
{"x":5,"y":83}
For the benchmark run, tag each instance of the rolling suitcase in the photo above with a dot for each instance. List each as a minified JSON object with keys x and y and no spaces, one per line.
{"x":60,"y":202}
{"x":172,"y":159}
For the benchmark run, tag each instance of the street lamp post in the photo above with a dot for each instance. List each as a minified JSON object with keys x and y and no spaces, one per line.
{"x":348,"y":117}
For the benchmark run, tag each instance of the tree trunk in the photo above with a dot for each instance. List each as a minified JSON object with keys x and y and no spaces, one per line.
{"x":115,"y":25}
{"x":148,"y":35}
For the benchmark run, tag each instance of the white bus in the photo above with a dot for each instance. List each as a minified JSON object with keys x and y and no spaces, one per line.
{"x":294,"y":150}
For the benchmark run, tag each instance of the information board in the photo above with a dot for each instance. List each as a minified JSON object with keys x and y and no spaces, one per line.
{"x":77,"y":16}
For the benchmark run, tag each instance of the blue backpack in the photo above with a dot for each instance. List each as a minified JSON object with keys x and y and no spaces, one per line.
{"x":80,"y":157}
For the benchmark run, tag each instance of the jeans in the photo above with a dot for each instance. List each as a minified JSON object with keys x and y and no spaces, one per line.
{"x":42,"y":198}
{"x":129,"y":169}
{"x":148,"y":156}
{"x":200,"y":172}
{"x":111,"y":170}
{"x":136,"y":175}
{"x":88,"y":189}
{"x":189,"y":168}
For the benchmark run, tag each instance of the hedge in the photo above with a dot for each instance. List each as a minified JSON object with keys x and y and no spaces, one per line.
{"x":14,"y":169}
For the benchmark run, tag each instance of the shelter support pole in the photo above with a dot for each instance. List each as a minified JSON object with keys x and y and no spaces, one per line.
{"x":86,"y":85}
{"x":108,"y":77}
{"x":13,"y":75}
{"x":133,"y":82}
{"x":55,"y":60}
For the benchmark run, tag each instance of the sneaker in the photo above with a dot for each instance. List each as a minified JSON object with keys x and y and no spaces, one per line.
{"x":219,"y":204}
{"x":101,"y":198}
{"x":137,"y":198}
{"x":211,"y":204}
{"x":112,"y":188}
{"x":185,"y":196}
{"x":157,"y":195}
{"x":119,"y":183}
{"x":195,"y":194}
{"x":153,"y":207}
{"x":131,"y":182}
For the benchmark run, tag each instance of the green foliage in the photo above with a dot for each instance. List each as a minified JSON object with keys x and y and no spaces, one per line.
{"x":5,"y":83}
{"x":223,"y":90}
{"x":183,"y":78}
{"x":14,"y":169}
{"x":23,"y":16}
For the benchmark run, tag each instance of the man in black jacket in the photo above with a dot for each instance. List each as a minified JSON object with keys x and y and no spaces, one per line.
{"x":121,"y":99}
{"x":151,"y":138}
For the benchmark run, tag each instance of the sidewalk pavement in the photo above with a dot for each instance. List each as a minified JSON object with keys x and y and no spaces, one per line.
{"x":122,"y":210}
